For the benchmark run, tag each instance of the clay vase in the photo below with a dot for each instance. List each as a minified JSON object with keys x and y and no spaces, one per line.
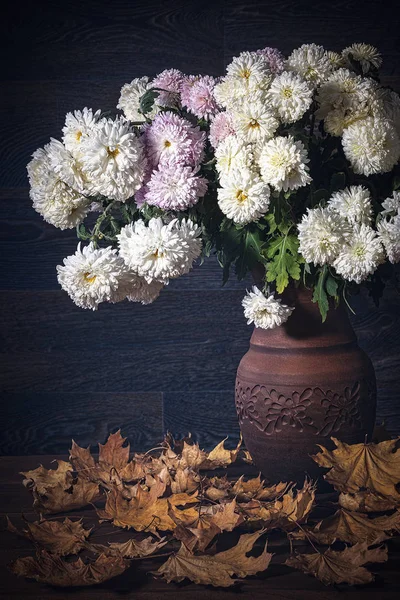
{"x":298,"y":385}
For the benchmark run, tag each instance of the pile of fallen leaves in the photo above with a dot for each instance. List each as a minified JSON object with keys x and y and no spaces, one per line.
{"x":178,"y":504}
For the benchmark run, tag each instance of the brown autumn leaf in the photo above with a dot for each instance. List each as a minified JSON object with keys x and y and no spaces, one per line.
{"x":255,"y":489}
{"x":62,"y":538}
{"x":136,"y":548}
{"x":184,"y":480}
{"x":220,"y":456}
{"x":346,"y":566}
{"x":146,"y":511}
{"x":374,"y":467}
{"x":53,"y":570}
{"x":113,"y":464}
{"x":217,"y":569}
{"x":286,"y":512}
{"x":247,"y":457}
{"x":208,"y":522}
{"x":56,"y":490}
{"x":353,"y":527}
{"x":367,"y":502}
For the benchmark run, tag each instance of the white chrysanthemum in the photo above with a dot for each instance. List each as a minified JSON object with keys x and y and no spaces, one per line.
{"x":360,"y":256}
{"x":251,"y":68}
{"x":322,"y":233}
{"x":391,"y":206}
{"x":389,"y":235}
{"x":254,"y":121}
{"x":53,"y":199}
{"x":371,"y":146}
{"x":266,"y":312}
{"x":283,"y":163}
{"x":136,"y":289}
{"x":389,"y":107}
{"x":232,"y":154}
{"x":365,"y":54}
{"x":78,"y":125}
{"x":243,"y":197}
{"x":311,"y":62}
{"x":91,"y":275}
{"x":337,"y":61}
{"x":160,"y":252}
{"x":247,"y":74}
{"x":344,"y":90}
{"x":337,"y":120}
{"x":113,"y":159}
{"x":291,"y":96}
{"x":129,"y":100}
{"x":66,"y":166}
{"x":353,"y":203}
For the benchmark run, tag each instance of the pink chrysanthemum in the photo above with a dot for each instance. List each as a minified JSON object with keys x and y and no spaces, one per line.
{"x":186,"y":86}
{"x":175,"y":187}
{"x":221,"y":126}
{"x":275,"y":59}
{"x":173,"y":138}
{"x":198,"y":97}
{"x":170,"y":81}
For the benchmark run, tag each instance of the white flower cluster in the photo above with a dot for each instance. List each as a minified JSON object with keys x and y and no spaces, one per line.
{"x":251,"y":158}
{"x":97,"y":156}
{"x":265,"y":311}
{"x":341,"y":234}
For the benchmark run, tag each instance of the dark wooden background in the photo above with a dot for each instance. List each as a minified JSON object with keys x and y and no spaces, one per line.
{"x":169,"y":366}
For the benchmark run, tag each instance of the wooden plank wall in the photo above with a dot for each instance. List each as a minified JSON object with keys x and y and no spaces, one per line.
{"x":169,"y":366}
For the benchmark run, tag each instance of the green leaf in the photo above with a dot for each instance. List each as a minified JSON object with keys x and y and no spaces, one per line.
{"x":331,"y":285}
{"x":146,"y":101}
{"x":320,"y":196}
{"x":396,"y":183}
{"x":285,"y":261}
{"x":270,"y":218}
{"x":320,"y":295}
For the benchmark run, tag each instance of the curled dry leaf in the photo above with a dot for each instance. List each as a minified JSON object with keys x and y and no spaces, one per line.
{"x":218,"y":488}
{"x":146,"y":511}
{"x":53,"y":570}
{"x":346,"y":566}
{"x":367,"y":502}
{"x":220,"y":456}
{"x":62,"y":538}
{"x":286,"y":512}
{"x":56,"y":490}
{"x":184,"y":480}
{"x":246,"y":456}
{"x":353,"y":527}
{"x":373,"y":467}
{"x":217,"y":569}
{"x":136,"y":548}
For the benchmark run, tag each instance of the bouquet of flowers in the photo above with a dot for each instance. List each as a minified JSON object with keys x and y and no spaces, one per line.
{"x":291,"y":163}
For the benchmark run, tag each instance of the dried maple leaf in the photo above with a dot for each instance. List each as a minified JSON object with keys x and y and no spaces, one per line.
{"x":346,"y":566}
{"x":134,"y":548}
{"x":220,"y":456}
{"x":62,"y":538}
{"x":286,"y":512}
{"x":53,"y":570}
{"x":356,"y":467}
{"x":353,"y":527}
{"x":208,"y":522}
{"x":184,"y":480}
{"x":113,"y":465}
{"x":367,"y":502}
{"x":255,"y":489}
{"x":217,"y":569}
{"x":144,"y":512}
{"x":56,"y":490}
{"x":247,"y":457}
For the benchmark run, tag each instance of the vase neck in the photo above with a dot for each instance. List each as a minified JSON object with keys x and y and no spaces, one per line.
{"x":305,"y":328}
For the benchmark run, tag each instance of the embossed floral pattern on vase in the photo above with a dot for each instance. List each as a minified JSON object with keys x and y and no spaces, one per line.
{"x":288,"y":411}
{"x":341,"y":409}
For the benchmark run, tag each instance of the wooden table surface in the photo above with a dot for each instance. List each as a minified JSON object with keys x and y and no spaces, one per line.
{"x":277,"y":583}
